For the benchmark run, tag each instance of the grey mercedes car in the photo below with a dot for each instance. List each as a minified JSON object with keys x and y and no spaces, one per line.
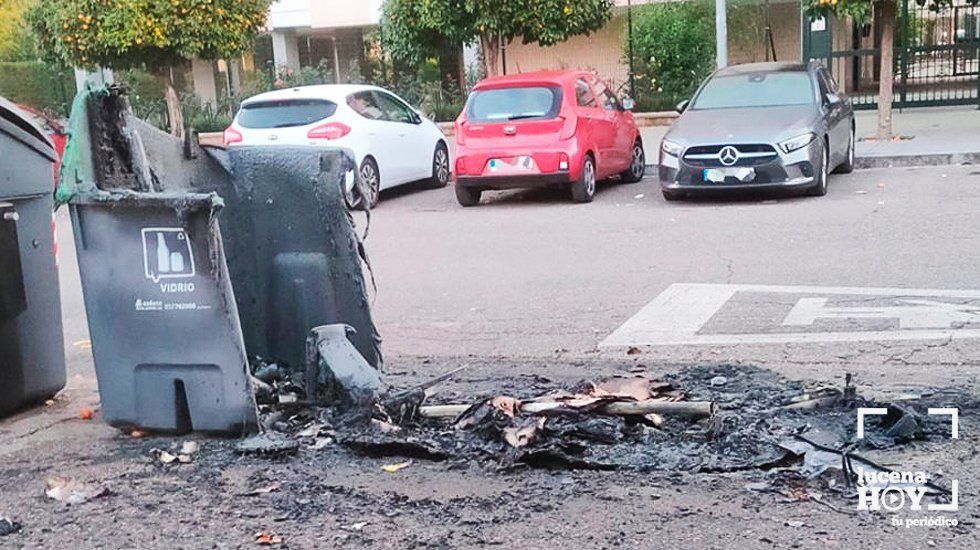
{"x":760,"y":125}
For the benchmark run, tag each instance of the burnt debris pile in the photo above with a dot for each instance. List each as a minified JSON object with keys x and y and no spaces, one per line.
{"x":700,"y":420}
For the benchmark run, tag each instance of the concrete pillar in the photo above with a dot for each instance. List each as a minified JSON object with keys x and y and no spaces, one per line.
{"x":721,"y":34}
{"x":285,"y":50}
{"x":203,"y":74}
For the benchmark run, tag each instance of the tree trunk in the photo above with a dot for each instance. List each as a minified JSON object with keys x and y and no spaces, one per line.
{"x":490,"y":44}
{"x":886,"y":76}
{"x":174,"y":114}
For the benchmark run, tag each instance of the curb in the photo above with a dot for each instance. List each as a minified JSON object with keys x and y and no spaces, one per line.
{"x":874,"y":161}
{"x":903,"y":161}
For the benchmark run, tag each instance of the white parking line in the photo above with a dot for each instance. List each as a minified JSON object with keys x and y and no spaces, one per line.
{"x":679,"y":315}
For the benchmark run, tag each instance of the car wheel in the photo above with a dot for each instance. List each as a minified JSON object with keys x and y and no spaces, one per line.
{"x":370,"y":183}
{"x":671,"y":196}
{"x":848,"y":165}
{"x":638,"y":165}
{"x":819,"y":188}
{"x":467,"y":196}
{"x":583,"y":190}
{"x":440,"y":167}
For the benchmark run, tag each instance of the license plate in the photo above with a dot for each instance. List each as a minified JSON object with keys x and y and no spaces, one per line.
{"x":718,"y":175}
{"x":512,"y":165}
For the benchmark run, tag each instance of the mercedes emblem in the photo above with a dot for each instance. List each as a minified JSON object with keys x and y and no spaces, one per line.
{"x":728,"y":155}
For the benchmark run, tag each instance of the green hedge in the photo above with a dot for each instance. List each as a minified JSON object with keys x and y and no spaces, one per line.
{"x":673,"y":51}
{"x":37,"y":85}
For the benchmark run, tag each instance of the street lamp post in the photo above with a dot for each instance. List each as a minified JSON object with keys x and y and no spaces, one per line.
{"x":721,"y":34}
{"x":629,"y":26}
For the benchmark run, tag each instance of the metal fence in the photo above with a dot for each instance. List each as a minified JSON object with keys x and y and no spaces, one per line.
{"x":936,"y":57}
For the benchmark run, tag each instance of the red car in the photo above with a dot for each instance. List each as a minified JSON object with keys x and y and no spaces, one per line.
{"x":541,"y":129}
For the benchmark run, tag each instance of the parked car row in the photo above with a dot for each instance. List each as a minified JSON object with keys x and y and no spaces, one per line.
{"x":755,"y":126}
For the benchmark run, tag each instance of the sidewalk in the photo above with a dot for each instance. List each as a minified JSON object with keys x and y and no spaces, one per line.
{"x":931,"y":135}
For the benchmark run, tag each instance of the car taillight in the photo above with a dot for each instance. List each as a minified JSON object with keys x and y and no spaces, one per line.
{"x":330,"y":130}
{"x":568,"y":128}
{"x":562,"y":161}
{"x":232,"y":136}
{"x":460,"y":166}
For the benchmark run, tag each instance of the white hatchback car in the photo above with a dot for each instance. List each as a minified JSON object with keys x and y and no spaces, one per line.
{"x":393,"y":143}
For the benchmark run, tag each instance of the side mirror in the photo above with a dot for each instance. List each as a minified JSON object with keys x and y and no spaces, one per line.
{"x":628,"y":104}
{"x":682,"y":106}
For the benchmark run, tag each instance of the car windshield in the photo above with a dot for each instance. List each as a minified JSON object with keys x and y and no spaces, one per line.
{"x":501,"y":104}
{"x":284,"y":113}
{"x":756,"y":90}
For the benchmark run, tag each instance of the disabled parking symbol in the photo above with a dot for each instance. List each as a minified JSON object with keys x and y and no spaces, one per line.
{"x":167,"y":253}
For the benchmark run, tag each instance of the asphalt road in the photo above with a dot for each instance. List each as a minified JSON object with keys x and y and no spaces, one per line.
{"x":526,"y":288}
{"x":529,"y":274}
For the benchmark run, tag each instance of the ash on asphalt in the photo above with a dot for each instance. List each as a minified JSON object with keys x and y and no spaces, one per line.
{"x":749,"y":433}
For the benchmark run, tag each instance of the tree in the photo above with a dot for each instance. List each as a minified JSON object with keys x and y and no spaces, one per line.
{"x":860,"y":10}
{"x":15,"y":40}
{"x":156,"y":34}
{"x":415,"y":29}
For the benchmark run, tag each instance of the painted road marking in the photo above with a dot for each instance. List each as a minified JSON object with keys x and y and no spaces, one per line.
{"x":695,"y":314}
{"x":912,"y":314}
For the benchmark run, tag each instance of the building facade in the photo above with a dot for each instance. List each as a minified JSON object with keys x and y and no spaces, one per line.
{"x":322,"y":32}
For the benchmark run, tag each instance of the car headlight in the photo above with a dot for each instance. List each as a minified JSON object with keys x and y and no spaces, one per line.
{"x":798,"y":142}
{"x":671,"y":148}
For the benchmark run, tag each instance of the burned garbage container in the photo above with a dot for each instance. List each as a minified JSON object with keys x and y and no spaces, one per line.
{"x":166,"y":338}
{"x":32,"y":356}
{"x":178,"y":303}
{"x":293,"y":255}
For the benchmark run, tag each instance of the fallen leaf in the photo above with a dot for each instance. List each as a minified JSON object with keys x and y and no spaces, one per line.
{"x":267,"y":539}
{"x":392,"y":468}
{"x":86,"y":414}
{"x":71,"y":491}
{"x":633,"y":351}
{"x":137,"y":434}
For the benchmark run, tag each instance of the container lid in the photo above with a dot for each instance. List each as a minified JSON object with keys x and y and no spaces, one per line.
{"x":16,"y":125}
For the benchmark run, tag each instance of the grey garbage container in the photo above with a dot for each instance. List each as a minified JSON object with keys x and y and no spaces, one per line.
{"x":168,"y":347}
{"x":166,"y":338}
{"x":32,"y":355}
